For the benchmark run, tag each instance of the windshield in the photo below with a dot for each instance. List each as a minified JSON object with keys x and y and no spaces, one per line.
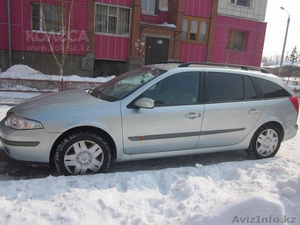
{"x":123,"y":85}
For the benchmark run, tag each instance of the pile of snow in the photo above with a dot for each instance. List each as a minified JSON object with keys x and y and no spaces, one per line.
{"x":244,"y":192}
{"x":25,"y":72}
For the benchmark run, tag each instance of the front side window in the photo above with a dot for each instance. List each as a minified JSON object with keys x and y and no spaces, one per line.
{"x":245,"y":3}
{"x":150,"y":7}
{"x":194,"y":29}
{"x":225,"y":87}
{"x":178,"y":89}
{"x":46,"y":17}
{"x":112,"y":19}
{"x":237,"y":40}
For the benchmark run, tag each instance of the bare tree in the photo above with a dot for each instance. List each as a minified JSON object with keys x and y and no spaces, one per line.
{"x":65,"y":29}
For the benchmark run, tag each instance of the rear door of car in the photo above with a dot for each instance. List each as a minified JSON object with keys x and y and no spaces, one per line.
{"x":231,"y":109}
{"x":175,"y":121}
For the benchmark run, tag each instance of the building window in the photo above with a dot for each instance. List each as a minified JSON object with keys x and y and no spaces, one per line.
{"x":195,"y":29}
{"x":46,"y":17}
{"x":150,"y":7}
{"x":241,"y":2}
{"x":112,"y":19}
{"x":237,"y":40}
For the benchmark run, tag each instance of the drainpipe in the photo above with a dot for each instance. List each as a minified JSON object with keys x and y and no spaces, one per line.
{"x":9,"y":33}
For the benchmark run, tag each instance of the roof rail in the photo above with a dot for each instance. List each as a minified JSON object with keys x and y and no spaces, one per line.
{"x":242,"y":67}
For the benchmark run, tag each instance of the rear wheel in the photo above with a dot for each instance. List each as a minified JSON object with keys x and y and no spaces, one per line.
{"x":265,"y":142}
{"x":82,"y":153}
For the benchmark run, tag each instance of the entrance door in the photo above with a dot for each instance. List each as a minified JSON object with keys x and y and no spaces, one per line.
{"x":156,"y":50}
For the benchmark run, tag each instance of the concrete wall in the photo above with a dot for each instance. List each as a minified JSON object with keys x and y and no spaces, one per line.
{"x":45,"y":63}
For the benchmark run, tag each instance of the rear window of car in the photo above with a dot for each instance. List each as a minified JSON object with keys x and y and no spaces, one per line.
{"x":271,"y":90}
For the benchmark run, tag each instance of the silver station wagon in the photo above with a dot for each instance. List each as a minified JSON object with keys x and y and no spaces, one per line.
{"x":158,"y":110}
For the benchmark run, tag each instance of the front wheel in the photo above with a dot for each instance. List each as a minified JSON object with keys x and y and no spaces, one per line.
{"x":265,"y":142}
{"x":82,"y":153}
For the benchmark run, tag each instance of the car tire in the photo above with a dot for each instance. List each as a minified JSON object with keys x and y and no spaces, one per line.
{"x":265,"y":143}
{"x":81,"y":153}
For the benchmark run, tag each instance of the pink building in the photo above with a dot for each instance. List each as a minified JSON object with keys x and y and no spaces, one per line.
{"x":111,"y":36}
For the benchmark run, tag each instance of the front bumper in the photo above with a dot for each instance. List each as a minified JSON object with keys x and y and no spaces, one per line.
{"x":27,"y":145}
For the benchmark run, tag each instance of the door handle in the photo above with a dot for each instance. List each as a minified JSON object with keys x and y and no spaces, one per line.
{"x":253,"y":111}
{"x":192,"y":115}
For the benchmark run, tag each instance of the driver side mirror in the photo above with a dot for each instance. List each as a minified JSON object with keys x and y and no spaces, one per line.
{"x":146,"y":103}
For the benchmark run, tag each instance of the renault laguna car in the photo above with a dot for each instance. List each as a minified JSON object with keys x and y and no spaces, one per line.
{"x":155,"y":111}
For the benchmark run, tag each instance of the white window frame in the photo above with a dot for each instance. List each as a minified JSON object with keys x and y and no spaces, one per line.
{"x":105,"y":28}
{"x":41,"y":27}
{"x":237,"y":2}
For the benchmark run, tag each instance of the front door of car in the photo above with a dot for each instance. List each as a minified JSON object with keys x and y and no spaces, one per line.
{"x":173,"y":124}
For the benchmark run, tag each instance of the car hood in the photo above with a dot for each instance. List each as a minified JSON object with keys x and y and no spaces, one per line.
{"x":57,"y":101}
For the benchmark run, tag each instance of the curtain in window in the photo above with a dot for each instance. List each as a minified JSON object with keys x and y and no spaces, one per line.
{"x":241,"y":2}
{"x":194,"y":30}
{"x":185,"y":26}
{"x":51,"y":14}
{"x":101,"y":18}
{"x":112,"y":19}
{"x":203,"y":28}
{"x":144,"y":6}
{"x":123,"y":21}
{"x":163,"y":5}
{"x":51,"y":17}
{"x":35,"y":17}
{"x":151,"y":6}
{"x":238,"y":40}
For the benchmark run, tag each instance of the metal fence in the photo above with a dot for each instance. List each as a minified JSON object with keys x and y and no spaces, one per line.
{"x":42,"y":86}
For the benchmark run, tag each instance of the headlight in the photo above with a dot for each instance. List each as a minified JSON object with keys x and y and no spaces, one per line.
{"x":19,"y":123}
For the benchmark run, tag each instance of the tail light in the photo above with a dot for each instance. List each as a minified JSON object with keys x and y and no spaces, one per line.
{"x":295,"y":103}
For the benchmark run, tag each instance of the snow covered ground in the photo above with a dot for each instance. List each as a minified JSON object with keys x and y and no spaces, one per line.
{"x":25,"y":72}
{"x":244,"y":192}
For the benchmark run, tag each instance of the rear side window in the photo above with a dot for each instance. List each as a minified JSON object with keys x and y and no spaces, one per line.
{"x":224,"y":87}
{"x":271,"y":90}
